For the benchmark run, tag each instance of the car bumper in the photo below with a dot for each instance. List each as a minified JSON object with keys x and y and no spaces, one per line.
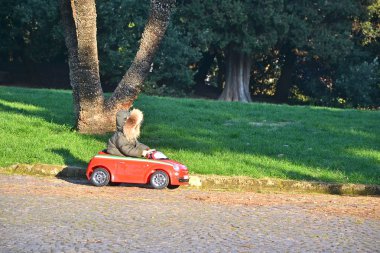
{"x":183,"y":180}
{"x":180,"y":179}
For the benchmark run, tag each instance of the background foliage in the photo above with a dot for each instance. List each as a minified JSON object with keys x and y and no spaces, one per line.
{"x":335,"y":43}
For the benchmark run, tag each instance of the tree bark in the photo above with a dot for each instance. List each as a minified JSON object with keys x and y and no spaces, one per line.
{"x":238,"y":73}
{"x":94,"y":114}
{"x":284,"y":83}
{"x":79,"y":19}
{"x":222,"y":70}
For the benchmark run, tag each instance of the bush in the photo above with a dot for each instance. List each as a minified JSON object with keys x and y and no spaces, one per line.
{"x":30,"y":32}
{"x":171,"y":67}
{"x":360,"y":86}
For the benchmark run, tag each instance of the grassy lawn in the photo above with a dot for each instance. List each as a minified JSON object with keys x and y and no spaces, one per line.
{"x":210,"y":137}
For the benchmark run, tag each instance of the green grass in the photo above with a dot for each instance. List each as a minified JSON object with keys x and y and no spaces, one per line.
{"x":210,"y":137}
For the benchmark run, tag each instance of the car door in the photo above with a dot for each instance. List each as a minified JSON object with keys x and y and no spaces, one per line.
{"x":132,"y":171}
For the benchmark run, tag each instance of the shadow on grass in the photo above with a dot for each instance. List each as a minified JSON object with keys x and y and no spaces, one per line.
{"x":286,"y":174}
{"x":68,"y":157}
{"x":50,"y":106}
{"x":330,"y":143}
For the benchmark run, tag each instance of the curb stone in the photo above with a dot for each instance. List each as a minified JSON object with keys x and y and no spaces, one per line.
{"x":47,"y":170}
{"x":273,"y":185}
{"x":214,"y":182}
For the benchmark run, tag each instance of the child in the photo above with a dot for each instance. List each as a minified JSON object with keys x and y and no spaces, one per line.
{"x":124,"y":141}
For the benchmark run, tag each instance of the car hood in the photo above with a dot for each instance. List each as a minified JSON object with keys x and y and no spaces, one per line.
{"x":173,"y":162}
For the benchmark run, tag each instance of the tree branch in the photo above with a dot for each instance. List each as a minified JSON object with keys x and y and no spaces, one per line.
{"x":130,"y":85}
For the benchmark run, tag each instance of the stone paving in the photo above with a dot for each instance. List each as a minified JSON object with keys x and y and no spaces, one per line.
{"x":53,"y":215}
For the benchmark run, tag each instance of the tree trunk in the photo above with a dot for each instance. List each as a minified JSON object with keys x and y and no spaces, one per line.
{"x":220,"y":59}
{"x":284,"y":83}
{"x":79,"y":19}
{"x":93,"y":113}
{"x":238,"y":73}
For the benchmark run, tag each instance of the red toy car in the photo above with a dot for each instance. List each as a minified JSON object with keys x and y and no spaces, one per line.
{"x":158,"y":170}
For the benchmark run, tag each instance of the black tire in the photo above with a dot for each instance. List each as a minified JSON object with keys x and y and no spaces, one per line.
{"x":173,"y":187}
{"x":100,"y":177}
{"x":159,"y":180}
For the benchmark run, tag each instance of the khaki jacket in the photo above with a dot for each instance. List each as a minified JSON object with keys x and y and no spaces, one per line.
{"x":124,"y":141}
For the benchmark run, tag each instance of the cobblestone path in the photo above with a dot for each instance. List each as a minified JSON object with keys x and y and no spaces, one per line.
{"x":53,"y":215}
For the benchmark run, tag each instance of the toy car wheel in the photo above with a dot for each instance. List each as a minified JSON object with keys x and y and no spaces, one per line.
{"x":100,"y":177}
{"x":159,"y":180}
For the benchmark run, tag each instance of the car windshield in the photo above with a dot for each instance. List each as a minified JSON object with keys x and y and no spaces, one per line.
{"x":160,"y":156}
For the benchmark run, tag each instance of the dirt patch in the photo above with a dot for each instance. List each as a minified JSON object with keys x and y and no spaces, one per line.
{"x":358,"y":206}
{"x":270,"y":124}
{"x":259,"y":123}
{"x":214,"y":182}
{"x":361,"y":207}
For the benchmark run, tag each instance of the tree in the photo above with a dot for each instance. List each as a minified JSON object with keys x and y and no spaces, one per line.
{"x":370,"y":25}
{"x":28,"y":29}
{"x":241,"y":30}
{"x":318,"y":29}
{"x":94,"y":113}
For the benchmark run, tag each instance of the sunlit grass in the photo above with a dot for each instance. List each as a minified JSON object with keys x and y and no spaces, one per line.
{"x":20,"y":106}
{"x":366,"y":153}
{"x":210,"y":137}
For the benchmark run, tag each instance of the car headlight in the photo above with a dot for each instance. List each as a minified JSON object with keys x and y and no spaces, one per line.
{"x":176,"y":167}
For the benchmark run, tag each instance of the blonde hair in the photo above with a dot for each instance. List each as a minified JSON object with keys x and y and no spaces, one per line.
{"x":132,"y":125}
